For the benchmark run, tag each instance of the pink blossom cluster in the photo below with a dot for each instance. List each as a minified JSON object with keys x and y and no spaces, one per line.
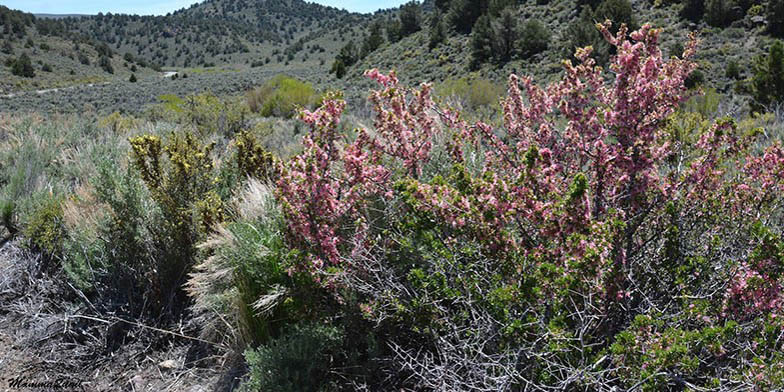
{"x":572,"y":160}
{"x":754,"y":289}
{"x":322,"y":190}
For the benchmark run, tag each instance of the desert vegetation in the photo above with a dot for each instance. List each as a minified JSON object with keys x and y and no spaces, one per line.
{"x":606,"y":230}
{"x":235,"y":196}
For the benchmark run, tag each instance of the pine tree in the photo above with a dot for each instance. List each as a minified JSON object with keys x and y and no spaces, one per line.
{"x":693,"y":10}
{"x":410,"y":18}
{"x":776,"y":18}
{"x":496,"y":7}
{"x":443,"y":5}
{"x":618,"y":12}
{"x":716,"y":13}
{"x":393,"y":30}
{"x":106,"y":64}
{"x":23,"y":67}
{"x":437,"y":30}
{"x":482,"y":40}
{"x":506,"y":36}
{"x":582,"y":32}
{"x":373,"y":40}
{"x":534,"y":38}
{"x":338,"y":68}
{"x":348,"y":54}
{"x":463,"y":14}
{"x":132,"y":78}
{"x":768,"y":80}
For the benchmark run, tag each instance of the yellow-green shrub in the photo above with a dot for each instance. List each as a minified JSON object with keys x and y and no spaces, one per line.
{"x":118,"y":122}
{"x":252,"y":159}
{"x":281,"y":96}
{"x":45,"y":228}
{"x":208,"y":113}
{"x":474,"y":93}
{"x":181,"y":179}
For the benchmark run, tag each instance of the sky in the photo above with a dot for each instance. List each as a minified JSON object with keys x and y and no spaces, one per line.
{"x":159,"y":7}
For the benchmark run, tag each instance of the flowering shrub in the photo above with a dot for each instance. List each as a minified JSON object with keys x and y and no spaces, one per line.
{"x":518,"y":257}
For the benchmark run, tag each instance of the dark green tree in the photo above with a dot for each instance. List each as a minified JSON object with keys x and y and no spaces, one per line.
{"x":442,"y":5}
{"x":618,"y":12}
{"x":348,"y":54}
{"x":106,"y":64}
{"x":506,"y":36}
{"x":482,"y":41}
{"x":338,"y":68}
{"x":693,"y":10}
{"x":23,"y":67}
{"x":534,"y":38}
{"x":496,"y":7}
{"x":732,"y":70}
{"x":768,"y":81}
{"x":716,"y":12}
{"x":583,"y":32}
{"x":373,"y":40}
{"x":583,"y":4}
{"x":393,"y":30}
{"x":775,"y":14}
{"x":410,"y":18}
{"x":437,"y":30}
{"x":464,"y":13}
{"x":132,"y":79}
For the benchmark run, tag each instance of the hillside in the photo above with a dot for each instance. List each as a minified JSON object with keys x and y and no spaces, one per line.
{"x":739,"y":43}
{"x":225,"y":32}
{"x":57,"y":58}
{"x":297,"y":37}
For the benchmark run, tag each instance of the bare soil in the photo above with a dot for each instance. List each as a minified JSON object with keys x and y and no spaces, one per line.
{"x":52,"y":338}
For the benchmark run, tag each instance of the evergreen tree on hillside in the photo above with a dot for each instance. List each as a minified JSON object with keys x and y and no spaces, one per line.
{"x":768,"y":80}
{"x":583,"y":32}
{"x":496,"y":7}
{"x":482,"y":41}
{"x":693,"y":10}
{"x":443,"y":5}
{"x":534,"y":38}
{"x":347,"y":57}
{"x":373,"y":40}
{"x":716,"y":12}
{"x":464,"y":13}
{"x":348,"y":54}
{"x":618,"y":12}
{"x":506,"y":36}
{"x":592,"y":4}
{"x":410,"y":18}
{"x":338,"y":68}
{"x":437,"y":29}
{"x":393,"y":30}
{"x":106,"y":64}
{"x":23,"y":67}
{"x":776,"y":18}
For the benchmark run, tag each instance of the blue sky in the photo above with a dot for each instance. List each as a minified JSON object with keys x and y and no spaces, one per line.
{"x":158,"y":7}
